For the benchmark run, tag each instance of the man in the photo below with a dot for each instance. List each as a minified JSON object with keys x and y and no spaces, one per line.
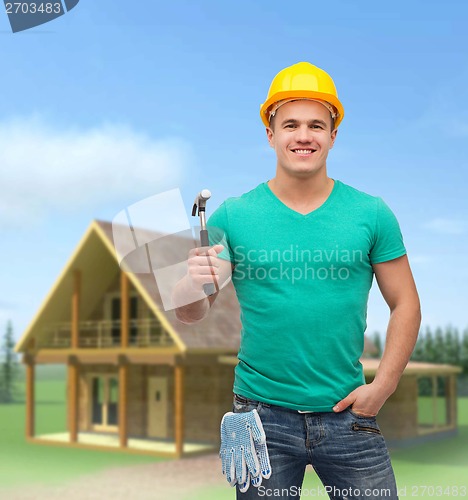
{"x":302,"y":249}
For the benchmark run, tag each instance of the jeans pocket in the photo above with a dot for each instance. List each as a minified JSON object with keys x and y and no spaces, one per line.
{"x":363,"y":426}
{"x":357,"y":415}
{"x":363,"y":423}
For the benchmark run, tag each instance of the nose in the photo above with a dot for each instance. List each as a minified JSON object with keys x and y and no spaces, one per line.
{"x":303,"y":134}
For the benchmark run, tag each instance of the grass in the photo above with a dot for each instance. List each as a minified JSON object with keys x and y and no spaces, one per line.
{"x":443,"y":463}
{"x":25,"y":463}
{"x":425,"y":410}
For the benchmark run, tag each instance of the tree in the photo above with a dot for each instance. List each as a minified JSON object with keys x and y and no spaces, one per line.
{"x":419,"y":348}
{"x":457,"y":342}
{"x":451,"y":348}
{"x":429,"y":350}
{"x":439,"y":346}
{"x":9,"y":367}
{"x":377,"y":341}
{"x":464,"y":352}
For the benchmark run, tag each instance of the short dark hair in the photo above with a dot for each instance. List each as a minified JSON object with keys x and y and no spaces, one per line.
{"x":272,"y":122}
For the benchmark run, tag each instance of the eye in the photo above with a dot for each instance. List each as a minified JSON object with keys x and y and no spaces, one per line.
{"x":318,"y":126}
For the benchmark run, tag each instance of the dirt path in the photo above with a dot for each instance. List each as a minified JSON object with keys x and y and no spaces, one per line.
{"x":171,"y":480}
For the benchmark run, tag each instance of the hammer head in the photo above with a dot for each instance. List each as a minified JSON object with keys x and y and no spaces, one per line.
{"x":204,"y":195}
{"x":200,"y":200}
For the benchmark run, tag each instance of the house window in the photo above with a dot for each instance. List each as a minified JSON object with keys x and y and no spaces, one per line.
{"x":104,"y":402}
{"x":97,"y":399}
{"x":436,"y":400}
{"x":112,"y":404}
{"x":133,"y":324}
{"x":116,"y":305}
{"x":115,"y":317}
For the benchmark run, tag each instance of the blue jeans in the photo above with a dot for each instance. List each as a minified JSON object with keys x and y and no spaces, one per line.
{"x":347,"y":451}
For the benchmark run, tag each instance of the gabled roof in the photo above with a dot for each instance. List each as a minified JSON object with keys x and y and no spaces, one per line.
{"x":219,"y":331}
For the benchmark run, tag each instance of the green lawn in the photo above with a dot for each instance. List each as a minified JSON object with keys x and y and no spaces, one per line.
{"x":25,"y":463}
{"x":442,"y":463}
{"x":425,"y":409}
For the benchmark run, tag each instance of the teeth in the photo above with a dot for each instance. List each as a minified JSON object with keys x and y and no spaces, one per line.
{"x":303,"y":151}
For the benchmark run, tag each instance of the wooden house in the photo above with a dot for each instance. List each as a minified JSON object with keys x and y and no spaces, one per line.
{"x":140,"y":381}
{"x":134,"y":372}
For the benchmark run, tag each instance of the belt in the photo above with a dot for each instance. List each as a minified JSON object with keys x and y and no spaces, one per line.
{"x":244,"y":399}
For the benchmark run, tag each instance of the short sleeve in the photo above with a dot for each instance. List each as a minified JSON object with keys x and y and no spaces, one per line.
{"x":388,"y":240}
{"x":218,"y":232}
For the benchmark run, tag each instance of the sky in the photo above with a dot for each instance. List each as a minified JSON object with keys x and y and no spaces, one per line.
{"x":118,"y":101}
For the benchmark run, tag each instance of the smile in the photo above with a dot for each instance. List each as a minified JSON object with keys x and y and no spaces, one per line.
{"x":303,"y":151}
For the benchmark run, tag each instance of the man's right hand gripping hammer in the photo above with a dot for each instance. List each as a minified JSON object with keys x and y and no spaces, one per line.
{"x":243,"y":451}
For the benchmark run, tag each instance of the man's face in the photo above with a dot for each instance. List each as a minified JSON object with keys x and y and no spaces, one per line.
{"x":302,"y":137}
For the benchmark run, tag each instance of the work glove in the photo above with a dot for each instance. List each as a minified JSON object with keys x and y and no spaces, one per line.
{"x":243,"y":450}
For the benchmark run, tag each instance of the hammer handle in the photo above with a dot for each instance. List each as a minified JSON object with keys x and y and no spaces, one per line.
{"x":208,"y":288}
{"x":204,"y":238}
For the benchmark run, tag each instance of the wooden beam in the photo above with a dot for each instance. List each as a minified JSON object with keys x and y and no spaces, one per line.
{"x":151,"y":359}
{"x":106,"y":356}
{"x":51,"y":358}
{"x":75,"y":312}
{"x":124,"y":308}
{"x":96,"y":358}
{"x":29,"y":396}
{"x":179,"y":409}
{"x":73,"y":399}
{"x":434,"y":401}
{"x":122,"y":404}
{"x":451,"y":400}
{"x":454,"y":397}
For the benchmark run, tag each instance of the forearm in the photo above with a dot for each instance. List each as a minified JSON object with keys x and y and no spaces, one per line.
{"x":402,"y":333}
{"x":191,"y":306}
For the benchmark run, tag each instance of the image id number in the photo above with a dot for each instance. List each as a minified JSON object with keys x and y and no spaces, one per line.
{"x":33,"y":8}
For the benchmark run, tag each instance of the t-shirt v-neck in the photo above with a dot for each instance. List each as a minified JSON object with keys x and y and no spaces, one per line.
{"x":297,"y":214}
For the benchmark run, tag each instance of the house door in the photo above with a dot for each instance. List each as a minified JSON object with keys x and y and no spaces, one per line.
{"x":157,"y":407}
{"x":104,"y":390}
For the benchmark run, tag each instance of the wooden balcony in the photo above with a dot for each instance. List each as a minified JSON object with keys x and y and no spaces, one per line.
{"x":104,"y":334}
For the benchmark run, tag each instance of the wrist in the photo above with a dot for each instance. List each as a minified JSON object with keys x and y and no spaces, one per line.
{"x":385,"y":385}
{"x":191,"y":305}
{"x":185,"y":295}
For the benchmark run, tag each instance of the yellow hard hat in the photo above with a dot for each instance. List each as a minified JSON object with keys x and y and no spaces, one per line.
{"x":302,"y":81}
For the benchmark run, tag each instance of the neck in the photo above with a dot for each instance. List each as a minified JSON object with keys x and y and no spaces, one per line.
{"x":301,"y":190}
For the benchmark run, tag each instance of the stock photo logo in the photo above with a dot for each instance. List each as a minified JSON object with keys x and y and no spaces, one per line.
{"x":28,"y":14}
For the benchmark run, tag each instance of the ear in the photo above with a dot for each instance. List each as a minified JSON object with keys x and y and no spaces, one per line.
{"x":333,"y":137}
{"x":270,"y":136}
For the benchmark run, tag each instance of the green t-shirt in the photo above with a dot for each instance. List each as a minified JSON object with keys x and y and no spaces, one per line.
{"x":303,"y":284}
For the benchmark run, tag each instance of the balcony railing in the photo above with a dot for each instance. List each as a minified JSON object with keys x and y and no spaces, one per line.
{"x":105,"y":334}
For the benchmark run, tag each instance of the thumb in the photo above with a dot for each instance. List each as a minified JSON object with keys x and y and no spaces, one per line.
{"x":218,"y":248}
{"x":344,"y":403}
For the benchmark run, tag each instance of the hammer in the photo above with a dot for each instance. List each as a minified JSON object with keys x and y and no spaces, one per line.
{"x":200,"y":203}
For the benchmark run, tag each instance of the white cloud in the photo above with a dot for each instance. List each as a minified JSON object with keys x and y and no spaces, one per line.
{"x":446,"y":226}
{"x":43,"y":167}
